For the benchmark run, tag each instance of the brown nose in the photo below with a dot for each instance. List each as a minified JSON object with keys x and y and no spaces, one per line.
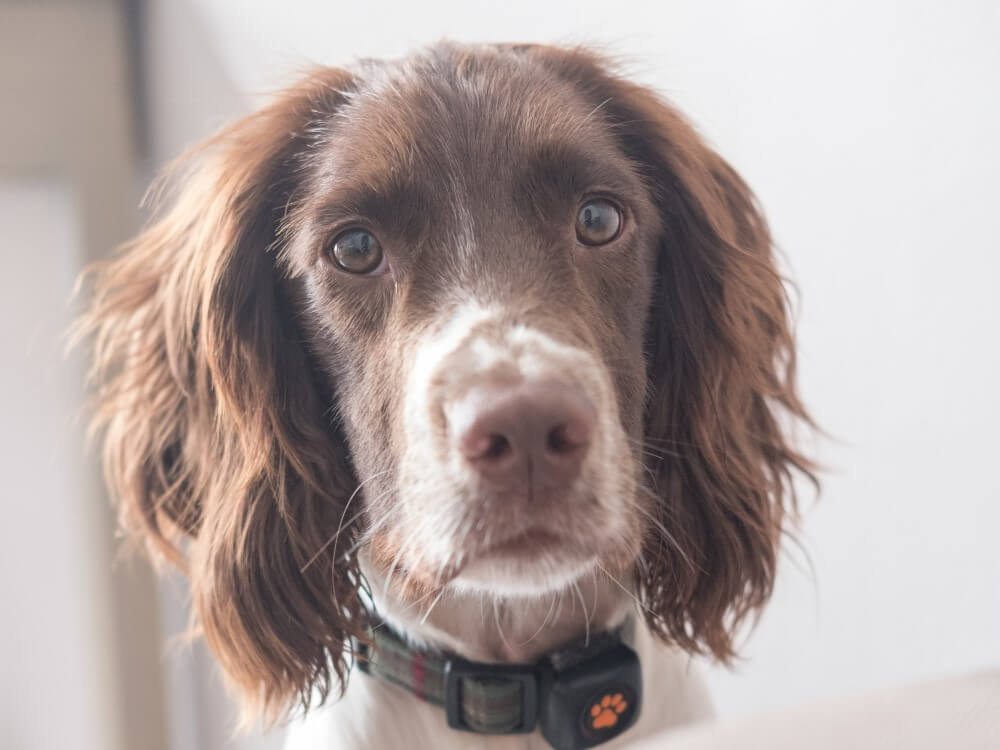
{"x":534,"y":431}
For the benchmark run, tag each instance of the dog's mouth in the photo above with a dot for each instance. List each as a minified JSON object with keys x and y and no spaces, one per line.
{"x":525,"y":545}
{"x":533,"y":558}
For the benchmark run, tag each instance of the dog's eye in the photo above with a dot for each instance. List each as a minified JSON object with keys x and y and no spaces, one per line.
{"x":598,"y":222}
{"x":357,"y":251}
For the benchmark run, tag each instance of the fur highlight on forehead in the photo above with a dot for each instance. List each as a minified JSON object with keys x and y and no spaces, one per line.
{"x":397,"y":105}
{"x":241,"y":428}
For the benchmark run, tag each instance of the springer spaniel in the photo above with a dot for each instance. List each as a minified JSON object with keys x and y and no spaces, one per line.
{"x":469,"y":372}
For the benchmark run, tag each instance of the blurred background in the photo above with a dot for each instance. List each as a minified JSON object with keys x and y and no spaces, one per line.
{"x":871,"y":133}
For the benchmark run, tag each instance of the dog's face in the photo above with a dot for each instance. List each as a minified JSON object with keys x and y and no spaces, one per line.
{"x":488,"y":318}
{"x":475,"y":255}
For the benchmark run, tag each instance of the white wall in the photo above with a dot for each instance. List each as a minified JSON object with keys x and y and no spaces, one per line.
{"x":870,"y":131}
{"x":52,"y":576}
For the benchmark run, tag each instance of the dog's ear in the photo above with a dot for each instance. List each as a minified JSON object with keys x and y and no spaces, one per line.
{"x":217,"y":437}
{"x":721,"y":375}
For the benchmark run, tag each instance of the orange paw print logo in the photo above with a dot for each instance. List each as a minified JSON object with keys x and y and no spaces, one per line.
{"x":605,"y":713}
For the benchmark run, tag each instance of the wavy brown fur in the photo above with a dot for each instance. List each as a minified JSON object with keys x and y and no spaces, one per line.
{"x":213,"y":428}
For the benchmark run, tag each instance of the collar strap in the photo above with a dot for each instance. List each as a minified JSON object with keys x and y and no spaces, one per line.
{"x":579,"y":695}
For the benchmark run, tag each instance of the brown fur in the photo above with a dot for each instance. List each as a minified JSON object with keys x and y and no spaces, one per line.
{"x":217,"y":376}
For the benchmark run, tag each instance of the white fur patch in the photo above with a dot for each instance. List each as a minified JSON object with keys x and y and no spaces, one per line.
{"x":475,"y":343}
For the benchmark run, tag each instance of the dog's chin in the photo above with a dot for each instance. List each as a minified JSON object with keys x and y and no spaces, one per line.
{"x":531,"y":564}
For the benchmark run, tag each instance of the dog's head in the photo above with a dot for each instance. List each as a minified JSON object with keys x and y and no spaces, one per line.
{"x":486,"y":318}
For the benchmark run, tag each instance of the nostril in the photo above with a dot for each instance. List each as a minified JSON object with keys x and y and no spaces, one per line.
{"x":479,"y":445}
{"x":497,"y":447}
{"x":559,"y":440}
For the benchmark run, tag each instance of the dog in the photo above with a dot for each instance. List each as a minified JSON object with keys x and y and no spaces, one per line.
{"x":434,"y":371}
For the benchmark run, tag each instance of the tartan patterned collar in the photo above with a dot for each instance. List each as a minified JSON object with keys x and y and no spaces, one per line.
{"x":579,"y":695}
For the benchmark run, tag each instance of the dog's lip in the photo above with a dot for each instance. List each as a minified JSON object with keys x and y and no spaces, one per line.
{"x":531,"y":541}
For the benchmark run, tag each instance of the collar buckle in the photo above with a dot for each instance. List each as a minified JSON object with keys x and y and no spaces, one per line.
{"x":467,"y":688}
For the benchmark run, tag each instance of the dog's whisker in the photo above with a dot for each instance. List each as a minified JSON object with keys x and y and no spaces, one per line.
{"x":631,"y":594}
{"x":396,"y":560}
{"x":559,"y":605}
{"x":336,"y":535}
{"x":651,"y":450}
{"x":496,"y":620}
{"x":409,"y":606}
{"x":368,"y":535}
{"x":544,"y":624}
{"x":593,"y":580}
{"x":592,"y":112}
{"x":658,"y":525}
{"x":586,"y":617}
{"x":432,"y":605}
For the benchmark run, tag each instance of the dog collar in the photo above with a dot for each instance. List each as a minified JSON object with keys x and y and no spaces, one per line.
{"x":578,"y":696}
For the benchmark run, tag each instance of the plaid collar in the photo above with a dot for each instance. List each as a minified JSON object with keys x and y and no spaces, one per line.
{"x":579,"y":695}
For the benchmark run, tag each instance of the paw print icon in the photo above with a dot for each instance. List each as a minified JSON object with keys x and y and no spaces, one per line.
{"x":589,"y":703}
{"x":606,"y":712}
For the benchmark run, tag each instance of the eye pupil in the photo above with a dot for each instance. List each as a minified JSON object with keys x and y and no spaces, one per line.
{"x":357,"y":251}
{"x":598,"y":222}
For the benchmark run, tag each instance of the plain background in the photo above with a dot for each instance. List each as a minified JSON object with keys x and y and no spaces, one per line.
{"x":871,"y":133}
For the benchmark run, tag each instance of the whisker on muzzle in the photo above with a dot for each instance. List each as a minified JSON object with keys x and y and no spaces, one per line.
{"x":336,"y":535}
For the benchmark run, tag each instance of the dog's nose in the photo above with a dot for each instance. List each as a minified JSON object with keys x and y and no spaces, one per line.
{"x":537,"y":431}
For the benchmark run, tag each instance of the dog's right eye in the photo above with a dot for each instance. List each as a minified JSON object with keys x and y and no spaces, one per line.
{"x":357,"y":251}
{"x":598,"y":222}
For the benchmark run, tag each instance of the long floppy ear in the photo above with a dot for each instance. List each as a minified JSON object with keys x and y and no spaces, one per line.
{"x":217,"y":441}
{"x":721,"y":375}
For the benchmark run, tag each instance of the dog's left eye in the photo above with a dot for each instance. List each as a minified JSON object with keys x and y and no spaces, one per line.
{"x":357,"y":251}
{"x":598,"y":222}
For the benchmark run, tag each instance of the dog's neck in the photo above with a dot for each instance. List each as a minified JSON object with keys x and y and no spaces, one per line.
{"x":480,"y":627}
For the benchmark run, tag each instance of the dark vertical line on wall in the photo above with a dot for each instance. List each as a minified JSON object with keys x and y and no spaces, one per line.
{"x":134,"y":12}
